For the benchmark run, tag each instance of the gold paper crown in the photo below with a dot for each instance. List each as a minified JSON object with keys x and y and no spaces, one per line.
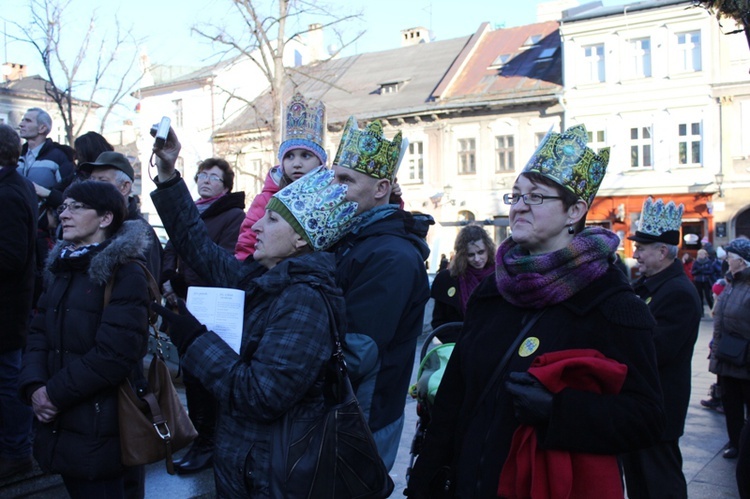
{"x":304,"y":128}
{"x":565,"y":159}
{"x":368,"y":151}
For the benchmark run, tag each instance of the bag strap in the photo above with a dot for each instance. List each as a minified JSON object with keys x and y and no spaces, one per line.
{"x":153,"y":289}
{"x":500,"y":369}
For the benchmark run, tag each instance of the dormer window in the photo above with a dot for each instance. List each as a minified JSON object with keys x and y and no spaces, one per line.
{"x":500,"y":61}
{"x":391,"y":87}
{"x":546,"y":54}
{"x":531,"y":42}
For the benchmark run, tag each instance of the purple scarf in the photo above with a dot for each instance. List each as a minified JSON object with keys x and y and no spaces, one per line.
{"x":537,"y":281}
{"x":470,"y":280}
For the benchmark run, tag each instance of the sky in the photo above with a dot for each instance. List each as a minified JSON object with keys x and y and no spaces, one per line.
{"x":163,"y":27}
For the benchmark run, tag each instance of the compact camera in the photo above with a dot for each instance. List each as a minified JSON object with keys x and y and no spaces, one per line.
{"x":160,"y":132}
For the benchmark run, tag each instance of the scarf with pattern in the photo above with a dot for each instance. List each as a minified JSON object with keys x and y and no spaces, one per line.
{"x":537,"y":281}
{"x":470,"y":280}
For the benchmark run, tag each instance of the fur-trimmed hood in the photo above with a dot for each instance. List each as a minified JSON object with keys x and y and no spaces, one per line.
{"x":128,"y":243}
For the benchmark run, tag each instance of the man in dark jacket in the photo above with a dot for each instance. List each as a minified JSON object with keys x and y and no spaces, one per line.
{"x":18,"y":208}
{"x":380,"y":267}
{"x":42,"y":161}
{"x":673,"y":301}
{"x":114,"y":168}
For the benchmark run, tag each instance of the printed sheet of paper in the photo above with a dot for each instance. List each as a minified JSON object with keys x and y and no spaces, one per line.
{"x":221,"y":310}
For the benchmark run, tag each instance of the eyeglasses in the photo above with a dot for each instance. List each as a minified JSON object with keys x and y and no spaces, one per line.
{"x":212,"y":177}
{"x":72,"y":207}
{"x":530,"y":199}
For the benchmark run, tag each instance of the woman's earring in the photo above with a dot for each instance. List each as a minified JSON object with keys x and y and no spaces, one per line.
{"x":571,"y":230}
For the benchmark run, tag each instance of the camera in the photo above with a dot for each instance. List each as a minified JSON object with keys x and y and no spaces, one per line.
{"x":160,"y":132}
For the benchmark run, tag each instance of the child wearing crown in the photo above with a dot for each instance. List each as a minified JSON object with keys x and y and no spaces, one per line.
{"x":300,"y":152}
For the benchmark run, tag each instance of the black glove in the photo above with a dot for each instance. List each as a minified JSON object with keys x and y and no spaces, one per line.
{"x":532,"y":402}
{"x":184,"y":328}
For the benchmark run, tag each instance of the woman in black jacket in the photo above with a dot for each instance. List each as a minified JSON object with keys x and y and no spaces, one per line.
{"x":80,"y":350}
{"x":555,"y":297}
{"x":474,"y":260}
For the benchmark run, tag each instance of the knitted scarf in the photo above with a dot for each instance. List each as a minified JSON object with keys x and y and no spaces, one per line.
{"x":470,"y":280}
{"x":537,"y":281}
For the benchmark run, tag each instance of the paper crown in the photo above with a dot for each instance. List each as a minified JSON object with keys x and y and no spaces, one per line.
{"x":304,"y":128}
{"x":659,"y":223}
{"x":368,"y":151}
{"x":565,"y":159}
{"x":316,"y":208}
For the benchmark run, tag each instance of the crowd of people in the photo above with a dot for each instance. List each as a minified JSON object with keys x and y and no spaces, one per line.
{"x":566,"y":379}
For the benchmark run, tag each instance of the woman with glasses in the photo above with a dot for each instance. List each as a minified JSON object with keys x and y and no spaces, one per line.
{"x":554,"y":373}
{"x":473,"y":261}
{"x":222,"y":211}
{"x":79,"y":349}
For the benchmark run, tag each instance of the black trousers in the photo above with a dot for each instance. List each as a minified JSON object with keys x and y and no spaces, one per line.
{"x":655,"y":473}
{"x":743,"y":463}
{"x":735,"y":398}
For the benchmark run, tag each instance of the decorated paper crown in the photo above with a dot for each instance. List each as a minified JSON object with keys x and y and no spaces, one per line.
{"x":565,"y":159}
{"x":659,"y":223}
{"x":368,"y":151}
{"x":304,"y":128}
{"x":316,"y":208}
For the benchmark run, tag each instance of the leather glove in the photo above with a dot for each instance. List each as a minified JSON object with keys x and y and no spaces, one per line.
{"x":184,"y":328}
{"x":532,"y":402}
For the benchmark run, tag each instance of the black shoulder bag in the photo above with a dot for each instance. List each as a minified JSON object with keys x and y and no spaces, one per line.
{"x":333,"y":456}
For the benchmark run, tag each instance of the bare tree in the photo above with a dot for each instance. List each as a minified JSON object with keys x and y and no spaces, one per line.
{"x":738,"y":10}
{"x":80,"y":57}
{"x":264,"y":38}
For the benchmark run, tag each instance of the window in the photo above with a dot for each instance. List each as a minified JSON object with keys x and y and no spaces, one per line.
{"x":504,"y":154}
{"x":689,"y":51}
{"x":597,"y":139}
{"x":640,"y":147}
{"x":414,"y":163}
{"x":177,"y":105}
{"x":467,"y":163}
{"x":689,"y":144}
{"x":539,"y":137}
{"x":593,"y":64}
{"x":500,"y":61}
{"x":640,"y":58}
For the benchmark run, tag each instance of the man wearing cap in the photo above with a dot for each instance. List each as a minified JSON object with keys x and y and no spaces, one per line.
{"x":380,"y":267}
{"x":674,"y":303}
{"x":114,"y":168}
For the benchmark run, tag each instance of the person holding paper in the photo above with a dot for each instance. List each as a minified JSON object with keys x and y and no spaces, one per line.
{"x":222,"y":211}
{"x":287,"y":331}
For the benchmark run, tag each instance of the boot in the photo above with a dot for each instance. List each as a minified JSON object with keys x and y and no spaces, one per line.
{"x":198,"y":458}
{"x":202,"y":409}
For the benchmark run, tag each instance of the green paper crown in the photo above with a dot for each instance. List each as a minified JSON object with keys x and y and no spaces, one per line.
{"x":565,"y":159}
{"x":368,"y":151}
{"x":316,"y":208}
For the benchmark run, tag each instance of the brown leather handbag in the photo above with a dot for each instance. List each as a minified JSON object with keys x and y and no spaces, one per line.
{"x":153,"y":422}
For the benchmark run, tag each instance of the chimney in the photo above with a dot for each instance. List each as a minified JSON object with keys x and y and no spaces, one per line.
{"x":12,"y":71}
{"x":414,"y":36}
{"x":317,"y":50}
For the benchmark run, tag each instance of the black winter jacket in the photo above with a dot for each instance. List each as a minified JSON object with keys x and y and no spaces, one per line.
{"x":81,"y":352}
{"x":606,"y":316}
{"x":18,"y":207}
{"x":674,"y":303}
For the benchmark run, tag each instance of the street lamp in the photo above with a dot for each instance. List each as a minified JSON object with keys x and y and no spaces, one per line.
{"x":719,"y":182}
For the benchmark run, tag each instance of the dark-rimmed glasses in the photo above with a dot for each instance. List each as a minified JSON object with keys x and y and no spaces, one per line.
{"x":532,"y":198}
